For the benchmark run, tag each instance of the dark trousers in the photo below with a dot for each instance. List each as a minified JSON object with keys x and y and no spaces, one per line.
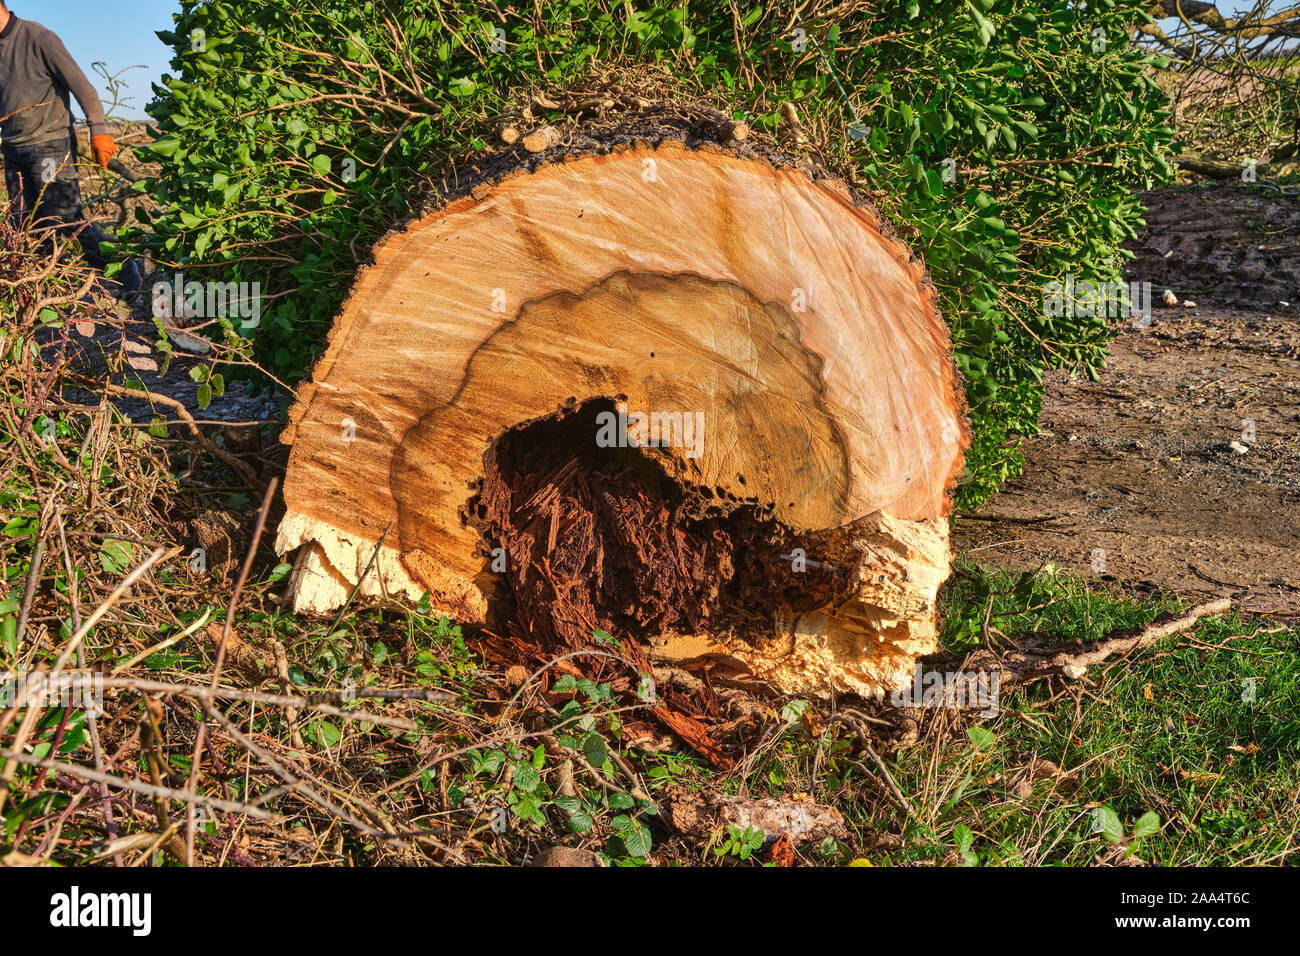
{"x":43,"y":178}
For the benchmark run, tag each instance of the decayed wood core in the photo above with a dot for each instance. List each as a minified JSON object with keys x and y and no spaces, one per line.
{"x":798,"y":534}
{"x":593,"y":537}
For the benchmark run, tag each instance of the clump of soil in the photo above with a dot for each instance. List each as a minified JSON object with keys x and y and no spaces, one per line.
{"x":605,"y":538}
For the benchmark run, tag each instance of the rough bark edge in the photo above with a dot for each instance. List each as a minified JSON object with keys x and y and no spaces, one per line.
{"x":332,"y":562}
{"x":873,"y":639}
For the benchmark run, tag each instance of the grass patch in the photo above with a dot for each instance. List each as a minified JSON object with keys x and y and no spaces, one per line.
{"x":1202,"y":731}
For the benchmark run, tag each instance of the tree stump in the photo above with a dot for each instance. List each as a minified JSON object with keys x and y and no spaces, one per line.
{"x":683,"y":396}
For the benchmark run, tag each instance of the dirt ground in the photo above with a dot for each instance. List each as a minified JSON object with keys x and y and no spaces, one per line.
{"x":1180,"y":469}
{"x":1223,"y":244}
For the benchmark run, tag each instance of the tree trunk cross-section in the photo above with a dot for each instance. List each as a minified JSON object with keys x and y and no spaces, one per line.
{"x":675,"y":394}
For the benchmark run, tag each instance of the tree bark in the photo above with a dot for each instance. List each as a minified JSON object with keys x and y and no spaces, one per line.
{"x":780,"y":511}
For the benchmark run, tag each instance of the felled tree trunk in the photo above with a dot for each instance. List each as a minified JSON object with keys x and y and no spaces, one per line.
{"x":679,"y":395}
{"x":1219,"y":167}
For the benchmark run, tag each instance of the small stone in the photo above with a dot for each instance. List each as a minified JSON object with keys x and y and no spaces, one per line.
{"x":188,"y":341}
{"x":1238,"y":447}
{"x":1169,"y":298}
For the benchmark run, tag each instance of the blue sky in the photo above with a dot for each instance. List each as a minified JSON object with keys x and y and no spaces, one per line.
{"x":118,"y":32}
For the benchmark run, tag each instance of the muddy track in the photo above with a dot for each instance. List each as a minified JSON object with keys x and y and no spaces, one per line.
{"x":1180,"y":469}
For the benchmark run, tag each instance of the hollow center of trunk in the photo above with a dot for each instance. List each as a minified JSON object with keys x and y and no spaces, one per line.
{"x":594,"y":537}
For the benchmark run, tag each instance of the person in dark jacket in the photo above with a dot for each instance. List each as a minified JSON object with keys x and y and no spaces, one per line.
{"x":38,"y":139}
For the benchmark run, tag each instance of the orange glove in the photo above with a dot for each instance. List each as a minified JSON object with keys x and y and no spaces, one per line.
{"x":104,"y":149}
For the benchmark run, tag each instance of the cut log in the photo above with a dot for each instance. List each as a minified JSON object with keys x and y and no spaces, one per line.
{"x":798,"y":818}
{"x":680,"y":395}
{"x":1215,"y":166}
{"x":734,"y":131}
{"x":541,"y":139}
